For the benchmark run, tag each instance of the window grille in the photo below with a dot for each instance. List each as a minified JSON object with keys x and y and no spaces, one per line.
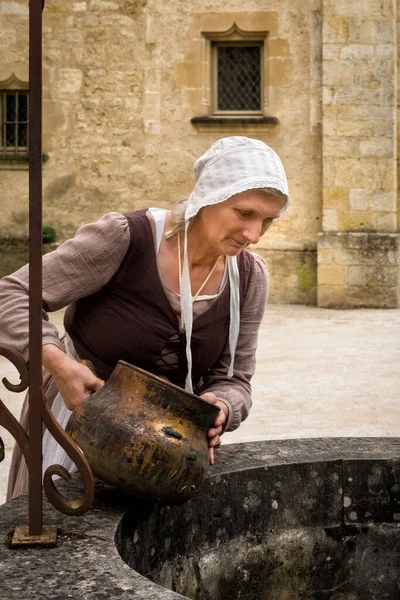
{"x":237,"y":78}
{"x":13,"y":122}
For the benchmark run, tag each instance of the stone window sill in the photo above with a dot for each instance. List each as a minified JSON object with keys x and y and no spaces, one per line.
{"x":210,"y":124}
{"x":17,"y":162}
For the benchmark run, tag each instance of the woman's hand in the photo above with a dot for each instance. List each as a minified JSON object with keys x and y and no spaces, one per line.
{"x":214,"y":434}
{"x":74,"y":380}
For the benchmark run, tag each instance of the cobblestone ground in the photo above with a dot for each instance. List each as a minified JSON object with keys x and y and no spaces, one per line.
{"x":320,"y":373}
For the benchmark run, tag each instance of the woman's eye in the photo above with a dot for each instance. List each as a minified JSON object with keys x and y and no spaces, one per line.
{"x":243,"y":213}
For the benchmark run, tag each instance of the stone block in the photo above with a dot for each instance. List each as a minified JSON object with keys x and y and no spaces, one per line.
{"x":339,"y":146}
{"x":13,"y":8}
{"x":188,"y":75}
{"x":331,"y":51}
{"x":329,"y":219}
{"x":152,"y":126}
{"x":384,"y":129}
{"x":382,"y":275}
{"x":384,"y":51}
{"x":355,"y":9}
{"x":383,"y":201}
{"x":326,"y":256}
{"x":357,"y":52}
{"x":377,"y":147}
{"x":335,"y":29}
{"x":54,"y":117}
{"x":278,"y":47}
{"x":331,"y":296}
{"x":329,"y":126}
{"x":153,"y":79}
{"x":280,"y":71}
{"x":359,"y":199}
{"x":331,"y":275}
{"x":69,"y":80}
{"x":349,"y":127}
{"x":335,"y":75}
{"x":359,"y":112}
{"x":195,"y":52}
{"x":346,"y":256}
{"x":360,"y":95}
{"x":328,"y":95}
{"x":366,"y":172}
{"x":257,"y":21}
{"x":336,"y":198}
{"x":151,"y":33}
{"x":357,"y":220}
{"x":276,"y":99}
{"x":192,"y":99}
{"x":100,"y":5}
{"x":356,"y":276}
{"x":377,"y":249}
{"x":387,"y":222}
{"x":152,"y":105}
{"x":380,"y":29}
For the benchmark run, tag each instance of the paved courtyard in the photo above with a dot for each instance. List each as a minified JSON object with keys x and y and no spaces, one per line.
{"x":319,"y":373}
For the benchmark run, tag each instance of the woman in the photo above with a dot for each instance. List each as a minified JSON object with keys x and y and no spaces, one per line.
{"x":176,"y":294}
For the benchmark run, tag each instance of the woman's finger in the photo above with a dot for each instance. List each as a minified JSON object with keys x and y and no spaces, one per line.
{"x":210,"y":397}
{"x":211,"y":456}
{"x":214,"y":431}
{"x":214,"y":441}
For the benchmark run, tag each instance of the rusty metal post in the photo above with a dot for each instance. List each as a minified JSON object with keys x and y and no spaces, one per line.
{"x":35,"y":266}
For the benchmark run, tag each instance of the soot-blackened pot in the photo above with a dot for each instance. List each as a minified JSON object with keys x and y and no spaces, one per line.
{"x":145,"y":435}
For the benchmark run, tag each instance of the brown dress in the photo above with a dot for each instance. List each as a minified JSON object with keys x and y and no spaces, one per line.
{"x":83,"y":266}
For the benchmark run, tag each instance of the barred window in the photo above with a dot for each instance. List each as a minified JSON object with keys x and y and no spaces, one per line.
{"x":13,"y":122}
{"x":237,"y":78}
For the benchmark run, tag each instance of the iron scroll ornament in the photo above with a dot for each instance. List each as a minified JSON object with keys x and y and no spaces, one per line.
{"x":9,"y":422}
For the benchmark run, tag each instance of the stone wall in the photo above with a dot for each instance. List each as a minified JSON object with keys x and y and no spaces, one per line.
{"x":124,"y":80}
{"x":359,"y":155}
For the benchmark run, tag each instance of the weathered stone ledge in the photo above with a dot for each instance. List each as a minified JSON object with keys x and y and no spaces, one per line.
{"x":329,"y":483}
{"x":244,"y":124}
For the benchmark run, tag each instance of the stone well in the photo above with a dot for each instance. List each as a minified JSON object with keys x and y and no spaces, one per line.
{"x":287,"y":520}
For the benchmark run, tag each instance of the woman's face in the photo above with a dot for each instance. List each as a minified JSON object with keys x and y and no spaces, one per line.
{"x":230,"y":226}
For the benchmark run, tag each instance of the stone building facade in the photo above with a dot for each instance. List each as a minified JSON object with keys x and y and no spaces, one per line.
{"x":129,"y":88}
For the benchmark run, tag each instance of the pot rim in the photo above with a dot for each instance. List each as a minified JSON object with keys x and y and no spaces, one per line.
{"x":167,"y":384}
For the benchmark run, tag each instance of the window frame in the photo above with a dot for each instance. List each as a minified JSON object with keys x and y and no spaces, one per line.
{"x":215,"y":44}
{"x":16,"y":151}
{"x":12,"y":159}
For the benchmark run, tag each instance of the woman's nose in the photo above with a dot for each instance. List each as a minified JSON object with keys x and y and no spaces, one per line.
{"x":252,"y":233}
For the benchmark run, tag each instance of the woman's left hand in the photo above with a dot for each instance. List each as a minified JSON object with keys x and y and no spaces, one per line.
{"x":214,"y":434}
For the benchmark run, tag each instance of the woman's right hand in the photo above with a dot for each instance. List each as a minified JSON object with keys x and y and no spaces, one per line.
{"x":74,"y":380}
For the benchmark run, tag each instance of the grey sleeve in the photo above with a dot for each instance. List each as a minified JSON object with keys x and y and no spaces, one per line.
{"x":79,"y":267}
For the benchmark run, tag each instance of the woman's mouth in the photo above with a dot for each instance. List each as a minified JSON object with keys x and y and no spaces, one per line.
{"x":239,"y":244}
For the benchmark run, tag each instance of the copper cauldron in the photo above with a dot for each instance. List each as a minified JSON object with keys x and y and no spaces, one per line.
{"x":145,"y":435}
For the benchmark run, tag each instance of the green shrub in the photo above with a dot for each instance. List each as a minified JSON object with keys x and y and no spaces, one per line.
{"x":49,"y":234}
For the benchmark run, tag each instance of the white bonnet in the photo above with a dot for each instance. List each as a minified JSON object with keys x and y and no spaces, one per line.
{"x":232,"y":165}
